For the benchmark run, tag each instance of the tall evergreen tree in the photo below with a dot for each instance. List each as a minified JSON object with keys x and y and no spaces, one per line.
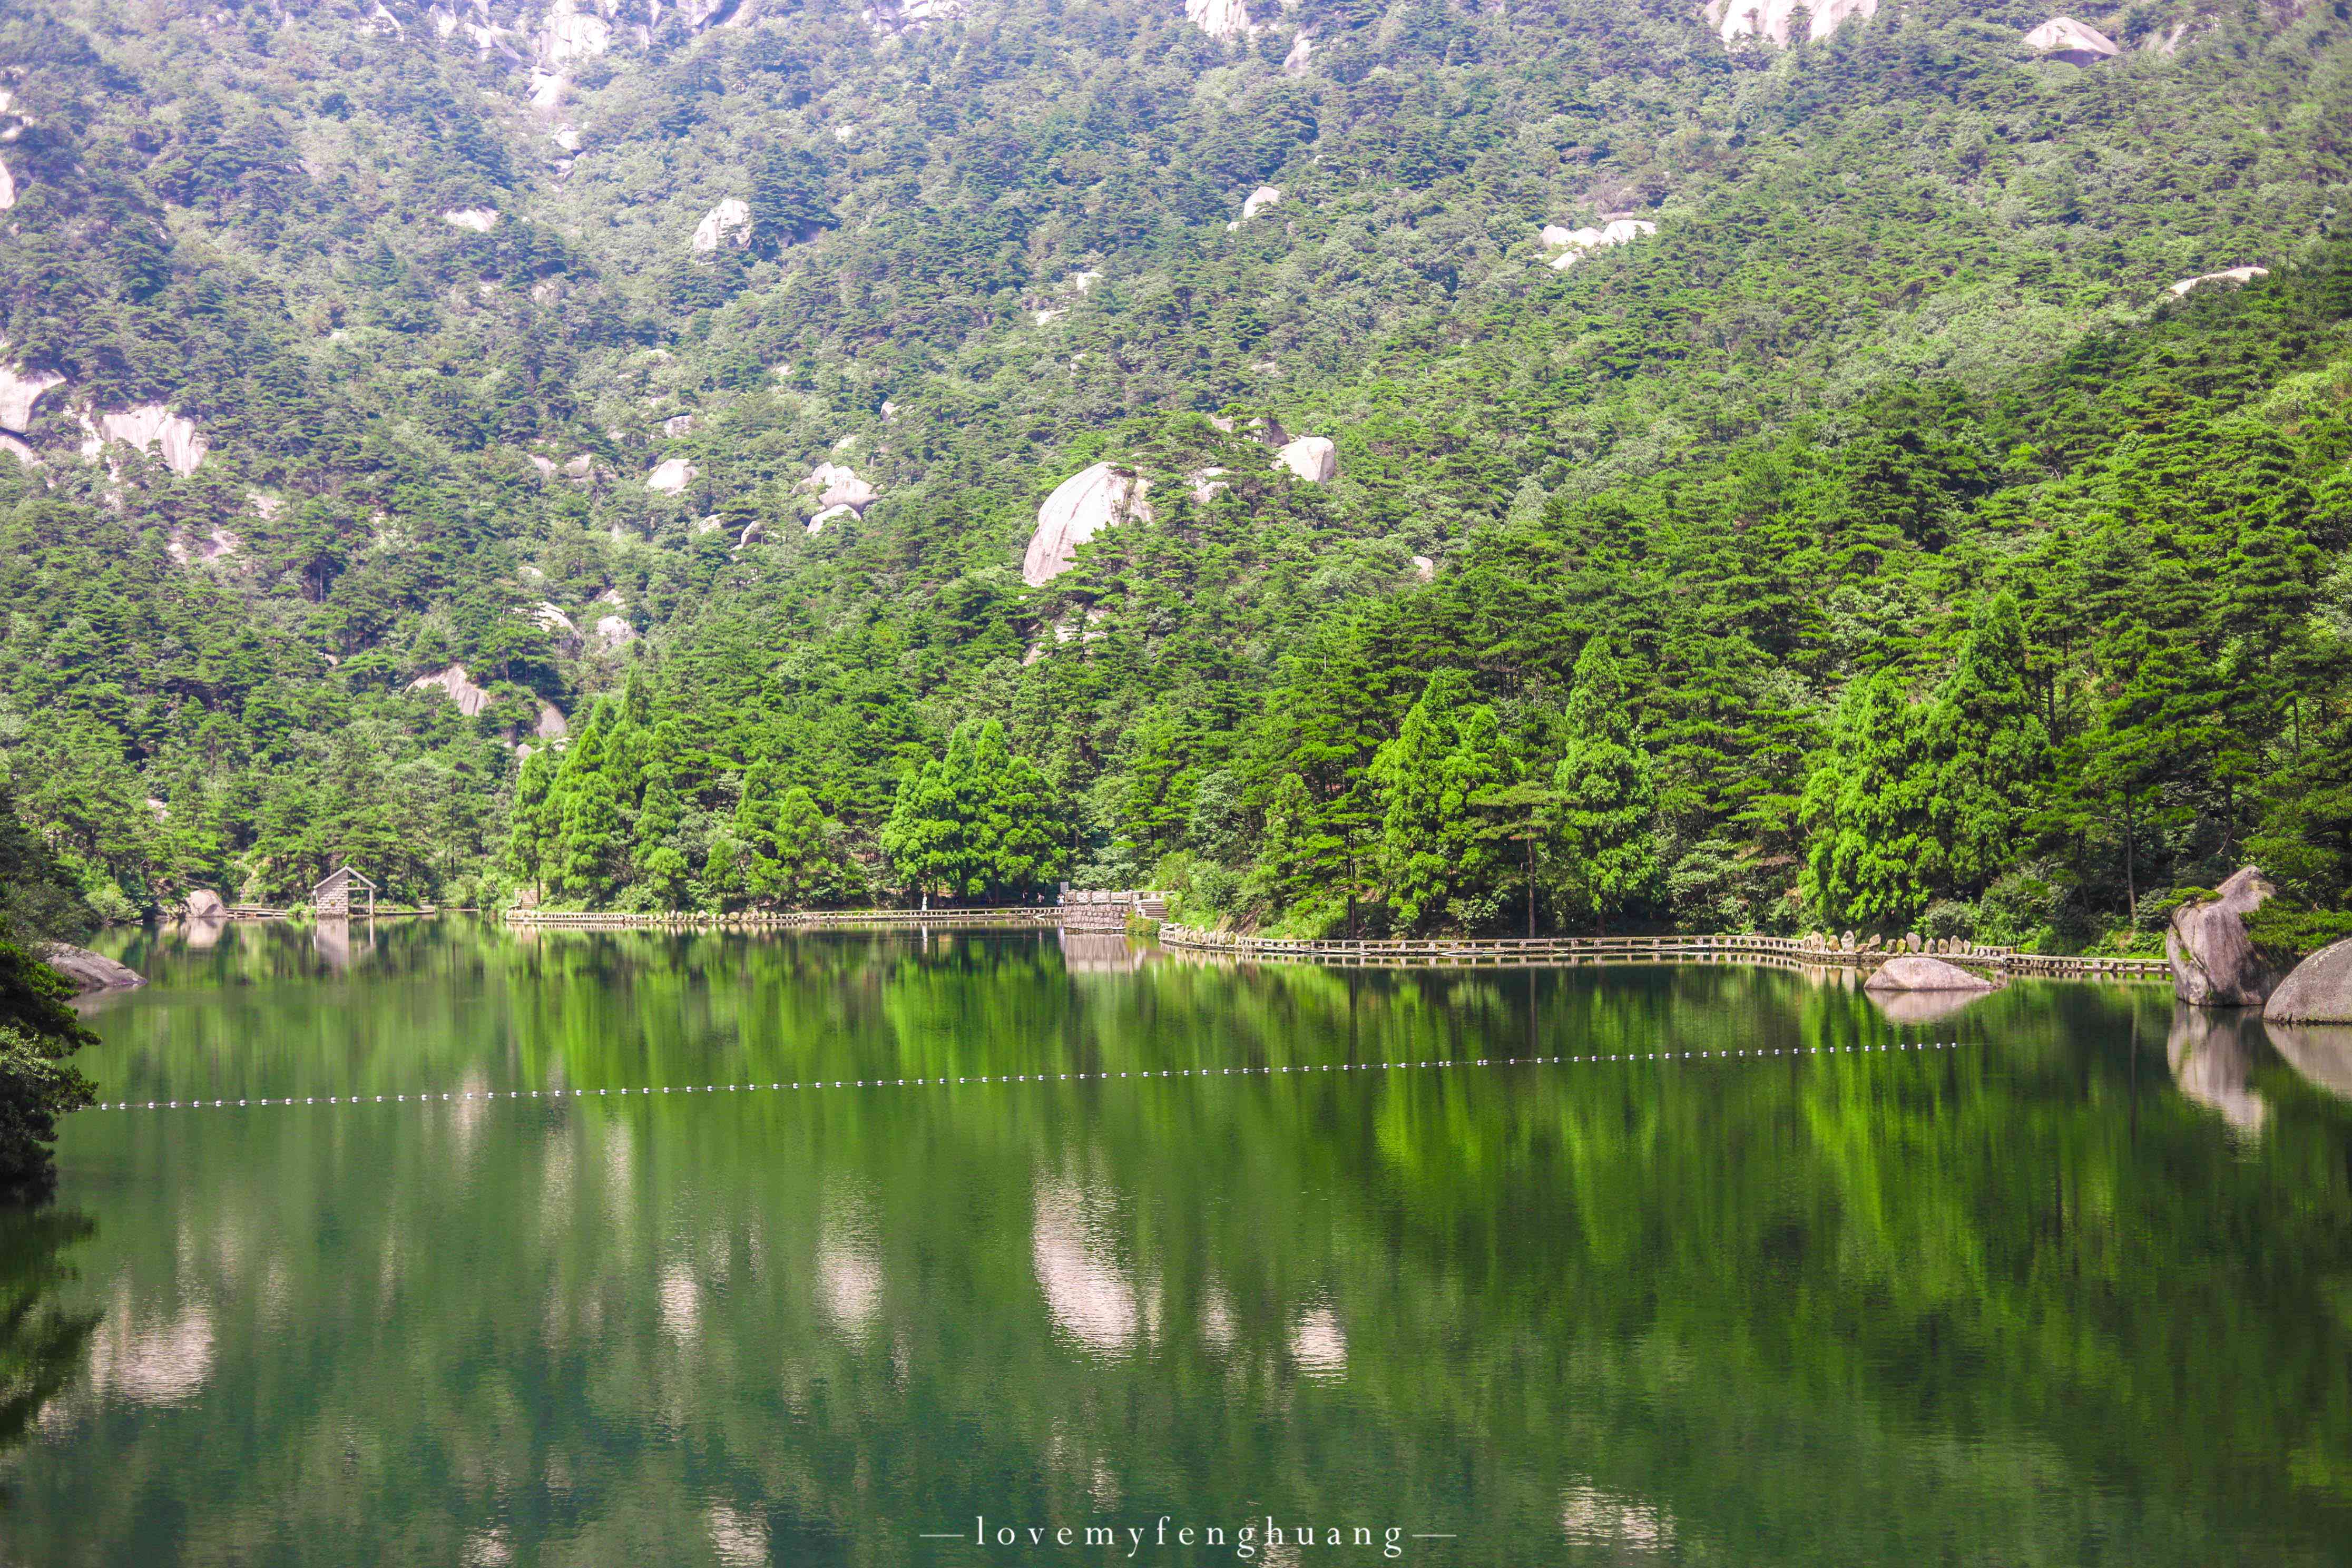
{"x":1439,"y":862}
{"x":1602,"y":840}
{"x":979,"y":820}
{"x":1993,"y":753}
{"x":1873,"y":859}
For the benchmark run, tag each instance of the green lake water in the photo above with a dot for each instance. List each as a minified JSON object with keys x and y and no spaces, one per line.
{"x":2060,"y":1278}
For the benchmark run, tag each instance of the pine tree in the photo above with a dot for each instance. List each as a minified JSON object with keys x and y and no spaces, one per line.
{"x":536,"y":824}
{"x":977,"y":821}
{"x":1873,"y":859}
{"x":1993,"y":755}
{"x":1602,"y":844}
{"x":1439,"y":862}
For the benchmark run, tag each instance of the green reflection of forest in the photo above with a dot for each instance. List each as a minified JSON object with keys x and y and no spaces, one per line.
{"x":2019,"y":1300}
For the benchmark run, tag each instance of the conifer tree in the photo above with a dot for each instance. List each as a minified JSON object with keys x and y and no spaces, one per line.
{"x":1602,"y":846}
{"x":979,"y":820}
{"x":1439,"y":862}
{"x":1993,"y":753}
{"x":1873,"y":859}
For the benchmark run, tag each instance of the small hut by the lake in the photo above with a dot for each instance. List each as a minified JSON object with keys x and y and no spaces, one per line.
{"x":342,"y":888}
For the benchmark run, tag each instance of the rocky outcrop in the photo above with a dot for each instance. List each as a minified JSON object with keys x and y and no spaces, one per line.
{"x":481,"y":220}
{"x":550,"y":725}
{"x":579,"y":470}
{"x":1302,"y":50}
{"x":1081,"y":506}
{"x":613,"y":628}
{"x":2231,"y":275}
{"x":203,"y":904}
{"x":679,"y":425}
{"x":571,"y":33}
{"x":830,"y":514}
{"x":888,"y":18}
{"x":149,"y":427}
{"x":837,"y":484}
{"x":2214,"y":963}
{"x":1917,"y":971}
{"x":729,"y":222}
{"x":1773,"y":19}
{"x":469,"y":698}
{"x":7,"y":186}
{"x":1575,"y":244}
{"x":1218,"y":18}
{"x":1424,"y":568}
{"x":1312,"y":457}
{"x":2065,"y":39}
{"x":673,"y":475}
{"x":88,"y":971}
{"x":1259,"y":200}
{"x":2318,"y":990}
{"x":553,"y":619}
{"x":1209,"y":483}
{"x":216,"y":544}
{"x":15,"y":446}
{"x":19,"y":391}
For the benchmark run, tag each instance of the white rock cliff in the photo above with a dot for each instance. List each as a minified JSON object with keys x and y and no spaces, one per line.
{"x":1081,"y":506}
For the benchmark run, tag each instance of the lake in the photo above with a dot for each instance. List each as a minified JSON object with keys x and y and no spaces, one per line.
{"x":2063,"y":1277}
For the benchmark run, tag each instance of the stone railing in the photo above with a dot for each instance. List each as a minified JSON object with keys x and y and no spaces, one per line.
{"x":1575,"y":950}
{"x":784,"y":919}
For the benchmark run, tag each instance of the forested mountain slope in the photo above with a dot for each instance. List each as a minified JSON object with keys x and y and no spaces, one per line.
{"x":1939,"y":554}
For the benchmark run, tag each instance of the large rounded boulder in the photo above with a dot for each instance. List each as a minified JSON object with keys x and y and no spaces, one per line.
{"x":88,"y":971}
{"x":2319,"y":991}
{"x":1081,"y":506}
{"x":1917,"y":971}
{"x":2214,"y":963}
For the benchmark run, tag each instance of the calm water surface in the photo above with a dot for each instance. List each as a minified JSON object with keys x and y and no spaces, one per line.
{"x":2078,"y":1289}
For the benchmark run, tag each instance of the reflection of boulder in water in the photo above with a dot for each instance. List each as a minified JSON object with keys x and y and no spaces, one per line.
{"x":201,"y":935}
{"x":1099,"y":953}
{"x":1086,"y":1290}
{"x":1911,"y":1007}
{"x":2212,"y":1056}
{"x":2320,"y":1052}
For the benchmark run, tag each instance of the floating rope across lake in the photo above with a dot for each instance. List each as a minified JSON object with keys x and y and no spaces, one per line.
{"x":1758,"y":1054}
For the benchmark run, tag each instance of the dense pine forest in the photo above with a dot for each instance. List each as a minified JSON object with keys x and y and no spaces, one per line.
{"x":1894,"y":479}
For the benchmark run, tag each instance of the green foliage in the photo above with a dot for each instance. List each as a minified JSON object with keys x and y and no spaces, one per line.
{"x":979,"y":822}
{"x":1949,"y":559}
{"x":37,"y":1085}
{"x":1439,"y":866}
{"x":1602,"y":848}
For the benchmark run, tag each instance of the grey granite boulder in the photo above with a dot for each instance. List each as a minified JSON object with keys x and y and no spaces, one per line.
{"x":2319,"y":991}
{"x":2214,"y":963}
{"x":88,"y":971}
{"x":1917,"y":971}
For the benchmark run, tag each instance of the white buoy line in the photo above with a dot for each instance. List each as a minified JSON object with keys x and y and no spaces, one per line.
{"x":943,"y":1081}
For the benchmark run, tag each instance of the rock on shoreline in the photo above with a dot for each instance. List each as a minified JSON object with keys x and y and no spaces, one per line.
{"x":1917,"y":971}
{"x":2214,"y":963}
{"x":88,"y":971}
{"x":2319,"y":991}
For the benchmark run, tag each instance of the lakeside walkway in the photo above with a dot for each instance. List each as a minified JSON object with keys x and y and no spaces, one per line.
{"x":1575,"y":952}
{"x":1425,"y":952}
